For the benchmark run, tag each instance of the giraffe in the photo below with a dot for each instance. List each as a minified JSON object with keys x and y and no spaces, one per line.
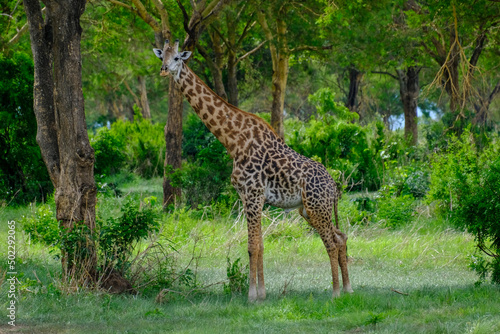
{"x":265,"y":170}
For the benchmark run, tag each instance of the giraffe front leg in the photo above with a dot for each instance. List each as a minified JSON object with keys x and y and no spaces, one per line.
{"x":253,"y":210}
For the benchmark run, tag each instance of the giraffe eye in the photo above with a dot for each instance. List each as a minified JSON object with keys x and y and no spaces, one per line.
{"x":176,"y":58}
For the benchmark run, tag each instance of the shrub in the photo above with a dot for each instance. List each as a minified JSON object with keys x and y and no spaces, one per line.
{"x":23,"y":175}
{"x":467,"y":182}
{"x":396,"y":211}
{"x":118,"y":236}
{"x":138,"y":145}
{"x":109,"y":151}
{"x":337,"y":145}
{"x":205,"y":175}
{"x":41,"y":226}
{"x":237,"y":277}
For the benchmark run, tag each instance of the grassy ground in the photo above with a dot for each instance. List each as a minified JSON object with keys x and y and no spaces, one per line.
{"x":411,"y":280}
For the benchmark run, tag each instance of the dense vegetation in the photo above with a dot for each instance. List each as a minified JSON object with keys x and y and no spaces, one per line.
{"x":353,"y":70}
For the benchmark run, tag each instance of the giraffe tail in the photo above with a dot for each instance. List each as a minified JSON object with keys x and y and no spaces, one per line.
{"x":335,"y":212}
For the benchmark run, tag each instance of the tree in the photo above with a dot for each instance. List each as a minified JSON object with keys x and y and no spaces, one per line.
{"x":454,"y":35}
{"x":374,"y":36}
{"x":203,"y":13}
{"x":283,"y":25}
{"x":62,"y":133}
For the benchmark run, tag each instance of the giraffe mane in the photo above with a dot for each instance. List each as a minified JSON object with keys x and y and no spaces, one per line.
{"x":259,"y":119}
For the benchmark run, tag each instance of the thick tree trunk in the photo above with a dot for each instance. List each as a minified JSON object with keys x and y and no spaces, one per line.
{"x":354,"y":82}
{"x":409,"y":91}
{"x":232,"y":80}
{"x":173,"y":140}
{"x":62,"y":132}
{"x":280,"y":78}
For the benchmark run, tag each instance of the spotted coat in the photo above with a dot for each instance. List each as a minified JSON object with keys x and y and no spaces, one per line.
{"x":265,"y":170}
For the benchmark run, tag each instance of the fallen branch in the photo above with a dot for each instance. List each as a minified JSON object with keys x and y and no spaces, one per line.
{"x":401,"y":293}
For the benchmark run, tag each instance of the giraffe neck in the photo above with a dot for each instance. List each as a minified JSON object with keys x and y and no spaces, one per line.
{"x":236,"y":129}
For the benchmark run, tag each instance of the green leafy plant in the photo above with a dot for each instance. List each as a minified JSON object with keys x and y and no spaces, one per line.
{"x":109,"y":152}
{"x":41,"y":226}
{"x":467,"y":182}
{"x":237,"y":277}
{"x":118,"y":236}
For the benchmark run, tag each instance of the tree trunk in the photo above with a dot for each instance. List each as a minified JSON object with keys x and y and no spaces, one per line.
{"x":482,"y":105}
{"x":280,"y":56}
{"x":232,"y":62}
{"x":409,"y":90}
{"x":146,"y":112}
{"x":232,"y":80}
{"x":280,"y":77}
{"x":173,"y":140}
{"x":62,"y":133}
{"x":215,"y":67}
{"x":354,"y":82}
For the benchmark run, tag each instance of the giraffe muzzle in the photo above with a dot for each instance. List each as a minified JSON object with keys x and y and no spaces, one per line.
{"x":163,"y":73}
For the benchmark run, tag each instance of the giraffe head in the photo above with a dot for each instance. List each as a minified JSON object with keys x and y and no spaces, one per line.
{"x":172,"y":60}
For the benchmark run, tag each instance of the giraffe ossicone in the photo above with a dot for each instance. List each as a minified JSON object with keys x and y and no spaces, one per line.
{"x":265,"y":170}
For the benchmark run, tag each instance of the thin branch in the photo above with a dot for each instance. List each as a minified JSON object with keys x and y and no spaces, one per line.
{"x":250,"y":52}
{"x":385,"y":73}
{"x":21,"y":31}
{"x":124,"y":5}
{"x":185,"y":17}
{"x":221,"y":36}
{"x":310,"y":48}
{"x":247,"y":28}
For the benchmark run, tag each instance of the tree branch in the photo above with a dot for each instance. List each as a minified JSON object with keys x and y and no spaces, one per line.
{"x":145,"y":16}
{"x":165,"y":24}
{"x":121,"y":4}
{"x":247,"y":28}
{"x":250,"y":52}
{"x":310,"y":48}
{"x":386,"y":73}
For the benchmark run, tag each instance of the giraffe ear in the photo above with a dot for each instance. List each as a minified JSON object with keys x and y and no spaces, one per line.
{"x":158,"y":53}
{"x":185,"y":55}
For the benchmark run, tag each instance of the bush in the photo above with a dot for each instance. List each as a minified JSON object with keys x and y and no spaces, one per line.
{"x":205,"y":174}
{"x":467,"y":183}
{"x":42,"y":226}
{"x":138,"y":145}
{"x":23,"y":175}
{"x":237,"y":278}
{"x":118,"y":236}
{"x":109,"y":151}
{"x":337,"y":145}
{"x":396,"y":211}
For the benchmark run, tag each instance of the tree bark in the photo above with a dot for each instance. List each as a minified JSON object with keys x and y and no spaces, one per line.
{"x":280,"y":78}
{"x":232,"y":62}
{"x":354,"y":82}
{"x":146,"y":112}
{"x":62,"y":133}
{"x":173,"y":140}
{"x":409,"y":91}
{"x":280,"y":58}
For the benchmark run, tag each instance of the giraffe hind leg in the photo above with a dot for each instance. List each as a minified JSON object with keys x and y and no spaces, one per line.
{"x":322,"y":224}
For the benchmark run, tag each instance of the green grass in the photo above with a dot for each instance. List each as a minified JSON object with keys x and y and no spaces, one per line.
{"x":411,"y":280}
